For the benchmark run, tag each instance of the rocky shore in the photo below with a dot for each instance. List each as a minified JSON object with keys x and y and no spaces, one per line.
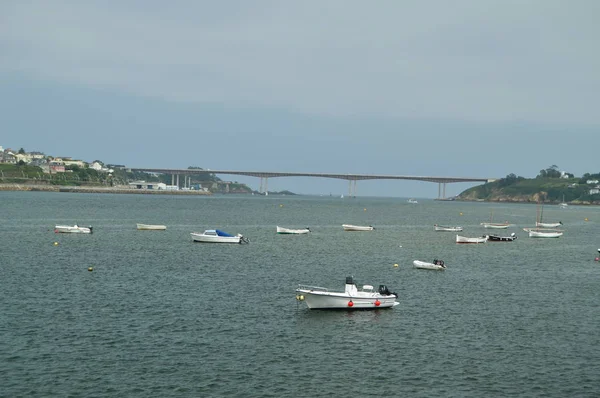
{"x":84,"y":189}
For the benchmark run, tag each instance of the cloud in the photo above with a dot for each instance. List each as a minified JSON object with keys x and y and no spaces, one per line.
{"x":464,"y":60}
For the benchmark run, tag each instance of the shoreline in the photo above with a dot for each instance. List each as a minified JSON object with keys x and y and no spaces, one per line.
{"x":58,"y":188}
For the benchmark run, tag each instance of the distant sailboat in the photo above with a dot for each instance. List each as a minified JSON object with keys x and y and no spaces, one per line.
{"x":564,"y":204}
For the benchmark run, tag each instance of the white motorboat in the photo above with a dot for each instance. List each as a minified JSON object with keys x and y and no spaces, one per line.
{"x":435,"y":265}
{"x":413,"y":201}
{"x":447,"y":229}
{"x":495,"y":225}
{"x":217,"y":236}
{"x":281,"y":230}
{"x":548,"y":224}
{"x":348,"y":227}
{"x":151,"y":227}
{"x":545,"y":233}
{"x":350,"y":299}
{"x":495,"y":238}
{"x":75,"y":229}
{"x":464,"y":239}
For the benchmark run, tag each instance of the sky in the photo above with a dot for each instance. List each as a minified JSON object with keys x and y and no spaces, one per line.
{"x":464,"y":88}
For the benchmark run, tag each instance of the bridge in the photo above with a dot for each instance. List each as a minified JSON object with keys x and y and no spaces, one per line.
{"x":351,"y":178}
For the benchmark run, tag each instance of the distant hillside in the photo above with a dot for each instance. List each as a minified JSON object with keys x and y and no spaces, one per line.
{"x":544,"y":188}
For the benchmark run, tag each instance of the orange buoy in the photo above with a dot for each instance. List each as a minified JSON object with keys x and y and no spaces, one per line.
{"x":350,"y":303}
{"x":377,"y":303}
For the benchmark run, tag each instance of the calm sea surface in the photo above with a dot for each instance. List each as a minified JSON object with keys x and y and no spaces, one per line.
{"x":161,"y":316}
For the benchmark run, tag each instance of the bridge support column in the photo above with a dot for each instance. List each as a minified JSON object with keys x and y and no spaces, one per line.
{"x":441,"y":190}
{"x":177,"y":180}
{"x":264,"y":185}
{"x":172,"y":179}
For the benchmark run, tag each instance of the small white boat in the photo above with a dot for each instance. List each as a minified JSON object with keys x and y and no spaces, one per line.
{"x":545,"y":233}
{"x":217,"y":236}
{"x":350,"y":299}
{"x":151,"y":227}
{"x":435,"y":265}
{"x":414,"y":201}
{"x":281,"y":230}
{"x":464,"y":239}
{"x":348,"y":227}
{"x":548,"y":224}
{"x":495,"y":225}
{"x":75,"y":229}
{"x":447,"y":229}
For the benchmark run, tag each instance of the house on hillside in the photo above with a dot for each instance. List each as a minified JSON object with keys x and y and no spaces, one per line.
{"x":8,"y":158}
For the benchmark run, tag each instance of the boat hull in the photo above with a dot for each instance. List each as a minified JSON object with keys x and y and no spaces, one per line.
{"x":340,"y":301}
{"x":150,"y":227}
{"x":425,"y":265}
{"x":548,"y":225}
{"x":196,"y":237}
{"x":288,"y":231}
{"x":464,"y":239}
{"x":545,"y":234}
{"x":67,"y":229}
{"x":494,"y":226}
{"x":494,"y":238}
{"x":348,"y":227}
{"x":440,"y":228}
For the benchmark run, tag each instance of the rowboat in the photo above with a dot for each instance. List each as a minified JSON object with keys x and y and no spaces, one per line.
{"x":348,"y":227}
{"x":351,"y":298}
{"x":151,"y":227}
{"x":447,"y":229}
{"x":545,"y":233}
{"x":75,"y":229}
{"x":464,"y":239}
{"x":548,"y":224}
{"x":435,"y":265}
{"x":281,"y":230}
{"x":495,"y":225}
{"x":217,"y":236}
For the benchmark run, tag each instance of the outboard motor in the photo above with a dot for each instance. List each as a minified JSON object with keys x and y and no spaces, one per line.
{"x":384,"y":290}
{"x":91,"y":229}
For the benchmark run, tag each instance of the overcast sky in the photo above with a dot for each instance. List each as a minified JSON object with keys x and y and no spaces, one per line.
{"x":451,"y":88}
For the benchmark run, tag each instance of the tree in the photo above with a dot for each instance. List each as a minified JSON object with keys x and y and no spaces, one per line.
{"x":22,"y":151}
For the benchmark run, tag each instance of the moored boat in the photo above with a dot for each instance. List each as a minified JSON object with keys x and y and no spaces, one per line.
{"x":447,"y":229}
{"x":545,"y":233}
{"x":217,"y":236}
{"x":464,"y":239}
{"x":350,"y":299}
{"x":495,"y":225}
{"x":349,"y":227}
{"x":151,"y":227}
{"x":75,"y":229}
{"x":548,"y":224}
{"x":496,"y":238}
{"x":437,"y":265}
{"x":281,"y":230}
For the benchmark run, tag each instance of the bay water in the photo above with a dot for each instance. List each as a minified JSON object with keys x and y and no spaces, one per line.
{"x":160,"y":315}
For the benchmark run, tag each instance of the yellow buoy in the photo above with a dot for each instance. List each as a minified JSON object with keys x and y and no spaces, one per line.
{"x":55,"y":243}
{"x":586,"y":219}
{"x":460,"y":213}
{"x":365,"y":209}
{"x":280,"y":205}
{"x":90,"y":269}
{"x":395,"y":265}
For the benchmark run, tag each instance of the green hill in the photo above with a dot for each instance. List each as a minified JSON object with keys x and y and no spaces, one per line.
{"x":548,"y":187}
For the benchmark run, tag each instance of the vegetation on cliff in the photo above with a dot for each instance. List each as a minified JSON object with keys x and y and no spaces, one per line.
{"x":549,"y":186}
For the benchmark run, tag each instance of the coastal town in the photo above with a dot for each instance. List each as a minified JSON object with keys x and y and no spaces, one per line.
{"x":35,"y":170}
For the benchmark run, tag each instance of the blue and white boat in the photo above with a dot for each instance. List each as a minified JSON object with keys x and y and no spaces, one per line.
{"x":217,"y":236}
